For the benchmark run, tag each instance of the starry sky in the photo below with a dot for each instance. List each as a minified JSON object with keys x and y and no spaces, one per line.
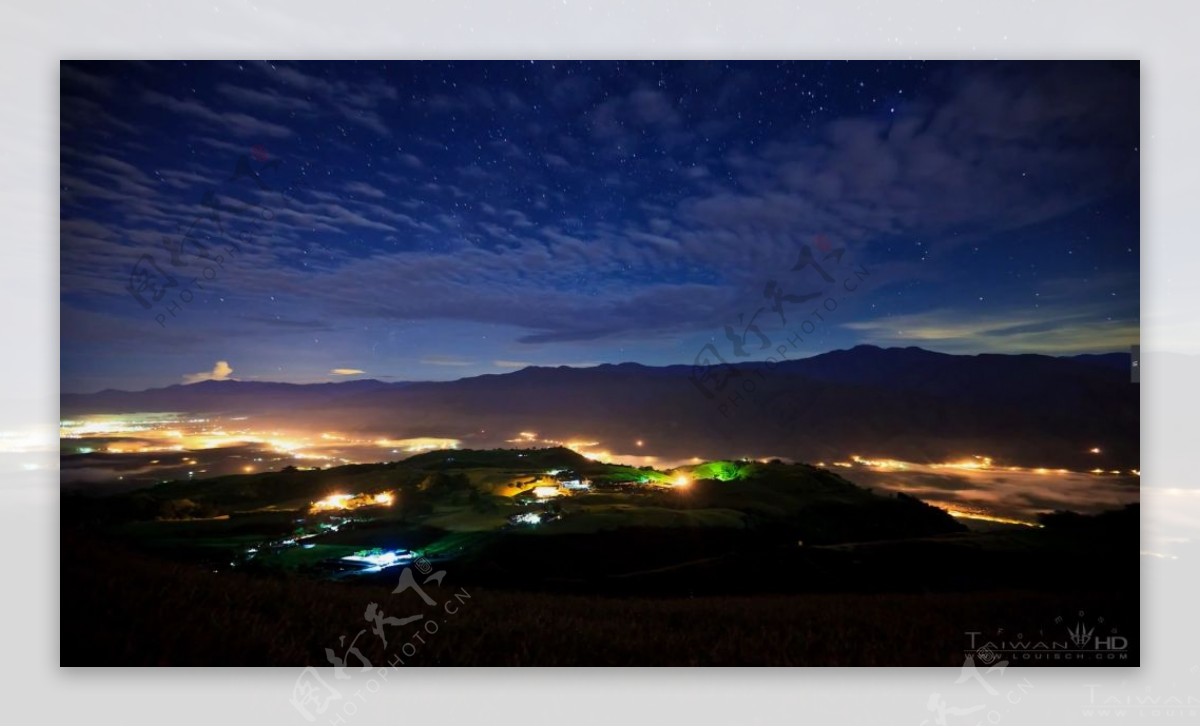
{"x":322,"y":221}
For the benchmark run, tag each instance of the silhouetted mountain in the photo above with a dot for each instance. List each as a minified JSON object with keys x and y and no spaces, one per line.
{"x":217,"y":396}
{"x":907,"y":403}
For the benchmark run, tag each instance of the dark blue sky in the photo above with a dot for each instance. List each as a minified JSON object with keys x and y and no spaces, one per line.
{"x":438,"y":220}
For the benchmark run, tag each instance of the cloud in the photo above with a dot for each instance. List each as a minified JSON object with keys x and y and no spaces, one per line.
{"x":503,"y":364}
{"x":365,"y":190}
{"x":220,"y":372}
{"x":357,"y":102}
{"x":266,"y":99}
{"x":1082,"y":330}
{"x":232,"y":121}
{"x":346,"y":372}
{"x":446,"y":361}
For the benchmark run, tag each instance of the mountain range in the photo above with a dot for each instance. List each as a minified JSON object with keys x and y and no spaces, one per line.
{"x":905,"y":403}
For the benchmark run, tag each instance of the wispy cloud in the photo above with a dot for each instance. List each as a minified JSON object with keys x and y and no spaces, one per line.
{"x":220,"y":372}
{"x":234,"y":122}
{"x":960,"y":331}
{"x":446,"y":361}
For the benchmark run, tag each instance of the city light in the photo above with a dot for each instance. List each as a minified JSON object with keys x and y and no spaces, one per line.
{"x":528,"y":518}
{"x":881,"y":464}
{"x":379,"y":558}
{"x":350,"y":502}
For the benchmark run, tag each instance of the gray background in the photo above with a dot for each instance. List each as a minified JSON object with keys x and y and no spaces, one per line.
{"x":35,"y":35}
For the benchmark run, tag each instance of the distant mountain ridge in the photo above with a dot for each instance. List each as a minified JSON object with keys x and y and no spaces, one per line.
{"x":901,"y":402}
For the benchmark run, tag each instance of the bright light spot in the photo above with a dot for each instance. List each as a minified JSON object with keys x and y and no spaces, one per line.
{"x":333,"y":502}
{"x":545,"y":491}
{"x":379,"y":558}
{"x":639,"y":443}
{"x":882,"y":464}
{"x":682,"y":481}
{"x":247,"y":468}
{"x":974,"y":515}
{"x":350,"y":502}
{"x":1094,"y":450}
{"x":528,"y":518}
{"x":418,"y":444}
{"x":978,"y":462}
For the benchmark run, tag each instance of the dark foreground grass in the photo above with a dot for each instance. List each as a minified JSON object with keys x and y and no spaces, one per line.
{"x":120,"y":607}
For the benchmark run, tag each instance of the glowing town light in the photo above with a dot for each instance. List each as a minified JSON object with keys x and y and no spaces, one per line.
{"x":333,"y":502}
{"x":528,"y":518}
{"x":247,"y":469}
{"x":379,"y":558}
{"x":682,"y":481}
{"x":383,"y":498}
{"x":881,"y":464}
{"x":974,"y":515}
{"x":544,"y":492}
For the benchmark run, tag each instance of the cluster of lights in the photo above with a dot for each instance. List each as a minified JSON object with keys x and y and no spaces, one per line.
{"x":879,"y":464}
{"x":379,"y":558}
{"x":169,"y":432}
{"x":528,"y":518}
{"x":982,"y":516}
{"x":978,"y":462}
{"x":350,"y":502}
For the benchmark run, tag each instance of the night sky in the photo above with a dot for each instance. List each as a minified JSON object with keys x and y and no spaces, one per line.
{"x":424,"y":221}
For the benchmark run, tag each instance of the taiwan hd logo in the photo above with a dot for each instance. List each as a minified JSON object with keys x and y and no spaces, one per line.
{"x":1082,"y":636}
{"x":1077,"y":638}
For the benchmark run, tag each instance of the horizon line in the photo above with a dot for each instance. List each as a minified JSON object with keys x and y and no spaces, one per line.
{"x":365,"y":377}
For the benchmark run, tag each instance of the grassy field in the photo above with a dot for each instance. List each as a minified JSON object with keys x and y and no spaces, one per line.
{"x":123,"y":607}
{"x":741,"y":563}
